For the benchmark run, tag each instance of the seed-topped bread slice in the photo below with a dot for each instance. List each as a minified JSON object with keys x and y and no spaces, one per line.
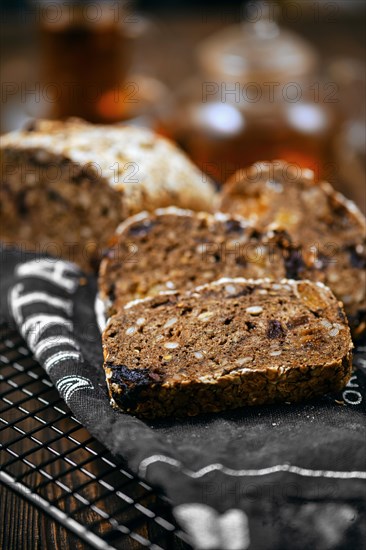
{"x":67,"y":185}
{"x":230,"y":343}
{"x":173,"y":249}
{"x":329,"y":228}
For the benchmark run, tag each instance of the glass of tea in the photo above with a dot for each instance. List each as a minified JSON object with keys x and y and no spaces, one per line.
{"x":85,"y":55}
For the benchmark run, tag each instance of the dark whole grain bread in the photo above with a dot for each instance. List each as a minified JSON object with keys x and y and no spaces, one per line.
{"x":66,"y":186}
{"x":173,"y":249}
{"x":226,"y":344}
{"x":330,"y":229}
{"x":179,"y":249}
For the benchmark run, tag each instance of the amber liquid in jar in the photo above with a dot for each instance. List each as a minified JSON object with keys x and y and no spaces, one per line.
{"x":253,"y":100}
{"x":220,"y":139}
{"x":85,"y":57}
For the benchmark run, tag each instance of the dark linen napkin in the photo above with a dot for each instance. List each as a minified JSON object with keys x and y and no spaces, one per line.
{"x":276,"y":477}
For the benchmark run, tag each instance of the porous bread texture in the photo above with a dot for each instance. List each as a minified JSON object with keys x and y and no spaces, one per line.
{"x":330,"y":229}
{"x":173,"y":248}
{"x":226,"y":344}
{"x":177,"y":249}
{"x":125,"y":169}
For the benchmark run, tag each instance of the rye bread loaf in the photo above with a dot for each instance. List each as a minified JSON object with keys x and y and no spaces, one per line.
{"x":226,"y":344}
{"x":67,"y":185}
{"x":330,"y":229}
{"x":174,"y":249}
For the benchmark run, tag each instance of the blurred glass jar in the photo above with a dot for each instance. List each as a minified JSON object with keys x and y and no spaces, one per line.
{"x":350,"y":141}
{"x":257,"y":98}
{"x":85,"y":56}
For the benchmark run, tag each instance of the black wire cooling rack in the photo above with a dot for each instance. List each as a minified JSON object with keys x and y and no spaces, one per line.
{"x":48,"y":458}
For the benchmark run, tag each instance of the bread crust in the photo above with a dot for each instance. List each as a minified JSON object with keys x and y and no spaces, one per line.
{"x":129,"y":168}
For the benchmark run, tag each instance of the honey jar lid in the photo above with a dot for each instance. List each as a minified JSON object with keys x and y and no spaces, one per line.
{"x":258,"y":50}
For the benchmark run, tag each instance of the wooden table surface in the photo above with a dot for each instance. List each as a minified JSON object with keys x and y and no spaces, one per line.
{"x":41,"y":532}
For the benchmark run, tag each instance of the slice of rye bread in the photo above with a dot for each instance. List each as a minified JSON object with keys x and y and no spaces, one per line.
{"x":229,"y":343}
{"x":329,"y":228}
{"x":180,"y":249}
{"x":66,"y":186}
{"x":173,"y":249}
